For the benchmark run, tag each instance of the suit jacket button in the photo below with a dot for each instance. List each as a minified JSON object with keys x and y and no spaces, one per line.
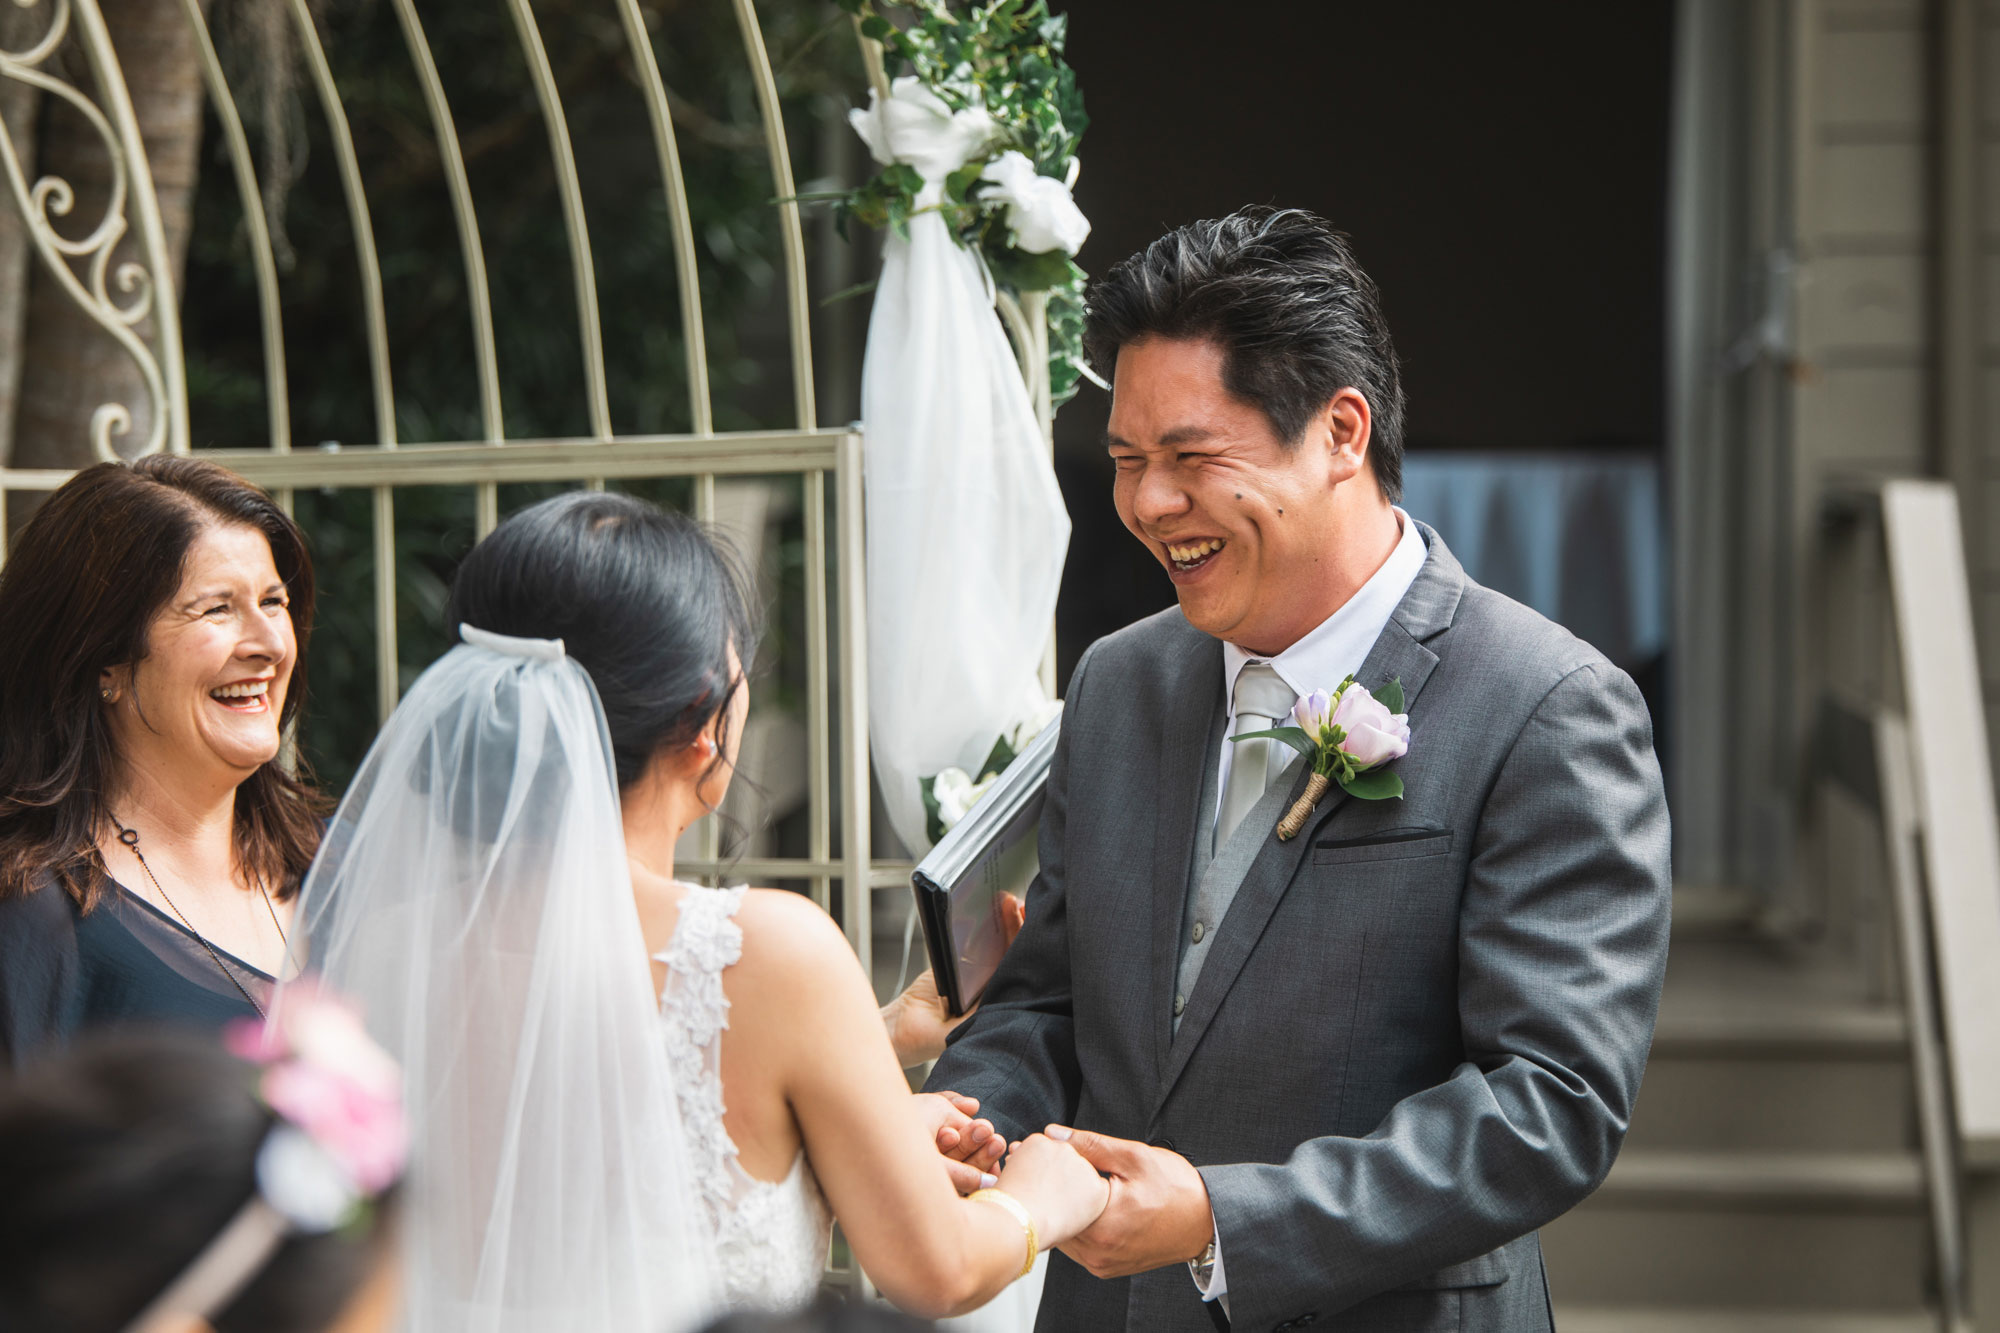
{"x":1306,"y":1318}
{"x":1163,"y":1142}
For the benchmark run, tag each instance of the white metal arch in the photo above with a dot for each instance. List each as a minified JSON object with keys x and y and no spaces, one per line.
{"x":836,"y":717}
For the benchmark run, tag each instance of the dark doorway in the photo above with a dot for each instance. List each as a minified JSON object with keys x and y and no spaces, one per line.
{"x":1502,"y":170}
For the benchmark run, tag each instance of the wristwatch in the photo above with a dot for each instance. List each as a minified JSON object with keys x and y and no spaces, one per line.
{"x":1202,"y":1267}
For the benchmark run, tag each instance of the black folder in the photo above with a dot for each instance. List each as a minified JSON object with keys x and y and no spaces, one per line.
{"x":989,"y":852}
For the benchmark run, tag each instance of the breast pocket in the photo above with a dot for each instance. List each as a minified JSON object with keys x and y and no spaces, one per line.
{"x":1393,"y":845}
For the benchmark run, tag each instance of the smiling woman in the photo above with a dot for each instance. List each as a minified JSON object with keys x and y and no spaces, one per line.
{"x":153,"y":619}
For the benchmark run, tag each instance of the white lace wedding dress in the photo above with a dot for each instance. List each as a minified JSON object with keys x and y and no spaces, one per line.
{"x":771,"y":1239}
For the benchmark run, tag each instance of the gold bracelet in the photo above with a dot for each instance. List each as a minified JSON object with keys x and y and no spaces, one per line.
{"x":1020,"y":1212}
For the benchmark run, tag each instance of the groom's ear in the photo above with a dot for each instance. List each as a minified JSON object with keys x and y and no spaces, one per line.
{"x":1341,"y":431}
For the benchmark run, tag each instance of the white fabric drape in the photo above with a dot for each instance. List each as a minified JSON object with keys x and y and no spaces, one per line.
{"x":966,"y":527}
{"x":474,"y":898}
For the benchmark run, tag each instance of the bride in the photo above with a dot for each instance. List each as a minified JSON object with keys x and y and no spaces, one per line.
{"x":597,"y":1148}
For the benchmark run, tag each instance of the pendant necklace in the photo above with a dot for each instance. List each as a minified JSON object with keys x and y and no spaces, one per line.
{"x":130,"y":837}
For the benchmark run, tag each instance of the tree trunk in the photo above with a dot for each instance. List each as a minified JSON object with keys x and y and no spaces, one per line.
{"x":19,"y":103}
{"x":69,"y":365}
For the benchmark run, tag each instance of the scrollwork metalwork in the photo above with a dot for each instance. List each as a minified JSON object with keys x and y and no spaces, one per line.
{"x":52,"y":197}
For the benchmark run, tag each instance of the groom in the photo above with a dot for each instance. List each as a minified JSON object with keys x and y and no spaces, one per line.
{"x":1337,"y":1080}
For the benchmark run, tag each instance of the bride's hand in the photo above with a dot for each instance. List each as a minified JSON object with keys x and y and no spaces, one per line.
{"x":971,"y":1148}
{"x":917,"y":1019}
{"x":1061,"y":1191}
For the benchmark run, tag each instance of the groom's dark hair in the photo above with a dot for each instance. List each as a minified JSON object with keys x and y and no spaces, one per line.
{"x":1297,"y":319}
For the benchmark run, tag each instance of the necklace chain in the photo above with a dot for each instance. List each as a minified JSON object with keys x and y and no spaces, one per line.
{"x":130,"y":838}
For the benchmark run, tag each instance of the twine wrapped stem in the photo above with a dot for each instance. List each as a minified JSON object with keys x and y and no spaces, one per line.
{"x":1295,"y":819}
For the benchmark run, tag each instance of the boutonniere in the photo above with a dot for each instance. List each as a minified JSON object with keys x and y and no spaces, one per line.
{"x":1347,"y":736}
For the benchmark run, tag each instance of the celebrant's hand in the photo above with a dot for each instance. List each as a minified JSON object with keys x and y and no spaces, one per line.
{"x":917,"y":1019}
{"x":1157,"y":1214}
{"x":970,"y":1147}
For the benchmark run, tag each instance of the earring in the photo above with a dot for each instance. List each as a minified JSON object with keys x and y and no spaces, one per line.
{"x":706,"y":744}
{"x":108,"y":694}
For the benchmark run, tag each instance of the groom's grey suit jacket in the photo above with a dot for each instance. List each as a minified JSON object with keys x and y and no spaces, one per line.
{"x":1419,"y":1031}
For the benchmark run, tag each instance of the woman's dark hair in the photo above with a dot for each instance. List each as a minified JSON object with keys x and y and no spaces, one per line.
{"x":122,"y":1160}
{"x":88,"y":574}
{"x":644,"y":598}
{"x":1297,"y":319}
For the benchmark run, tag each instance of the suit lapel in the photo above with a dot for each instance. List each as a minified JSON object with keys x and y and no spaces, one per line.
{"x":1187,"y":723}
{"x":1399,"y":654}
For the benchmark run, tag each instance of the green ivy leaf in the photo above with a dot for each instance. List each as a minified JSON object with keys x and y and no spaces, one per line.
{"x":1390,"y":696}
{"x":1026,"y":272}
{"x":1293,"y":736}
{"x":1006,"y":55}
{"x":1374,"y":785}
{"x":956,"y":184}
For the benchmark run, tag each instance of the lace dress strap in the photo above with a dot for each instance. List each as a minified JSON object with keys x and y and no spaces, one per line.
{"x":693,"y":1012}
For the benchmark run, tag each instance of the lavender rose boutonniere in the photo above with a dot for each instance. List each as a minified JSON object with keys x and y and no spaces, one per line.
{"x":1347,"y":736}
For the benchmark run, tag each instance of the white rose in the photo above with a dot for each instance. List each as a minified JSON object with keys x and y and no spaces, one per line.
{"x":916,"y":127}
{"x":1024,"y":732}
{"x":1039,"y":209}
{"x":956,"y":794}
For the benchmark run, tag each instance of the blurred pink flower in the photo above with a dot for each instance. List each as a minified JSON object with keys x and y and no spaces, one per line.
{"x":324,"y":1074}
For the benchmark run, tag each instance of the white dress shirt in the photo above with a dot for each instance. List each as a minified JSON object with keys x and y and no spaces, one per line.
{"x":1320,"y":661}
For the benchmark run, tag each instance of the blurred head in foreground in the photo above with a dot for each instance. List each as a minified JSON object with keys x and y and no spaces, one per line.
{"x":825,"y":1316}
{"x":159,"y":1183}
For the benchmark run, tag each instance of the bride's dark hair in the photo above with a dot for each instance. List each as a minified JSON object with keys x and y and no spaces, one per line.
{"x":646,"y":599}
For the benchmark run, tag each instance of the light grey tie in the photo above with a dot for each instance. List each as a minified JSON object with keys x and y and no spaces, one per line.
{"x":1262,"y":702}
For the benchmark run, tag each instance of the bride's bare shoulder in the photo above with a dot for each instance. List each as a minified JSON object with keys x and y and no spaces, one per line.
{"x":789,"y":942}
{"x":783,"y":925}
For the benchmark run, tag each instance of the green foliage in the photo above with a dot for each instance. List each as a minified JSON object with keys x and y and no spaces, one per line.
{"x":1390,"y":696}
{"x":1374,"y":785}
{"x":997,"y":759}
{"x":535,"y":318}
{"x":883,"y":202}
{"x":1004,"y":56}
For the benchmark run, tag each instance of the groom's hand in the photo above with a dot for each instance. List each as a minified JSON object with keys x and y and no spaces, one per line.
{"x":1158,"y":1213}
{"x":970,"y":1147}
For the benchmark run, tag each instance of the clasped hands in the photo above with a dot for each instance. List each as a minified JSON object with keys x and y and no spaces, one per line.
{"x":1157,"y":1212}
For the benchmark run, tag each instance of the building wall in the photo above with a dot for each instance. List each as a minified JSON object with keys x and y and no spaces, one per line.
{"x":1863,"y":222}
{"x":1866,"y":219}
{"x":1858,"y":381}
{"x":1871,"y":350}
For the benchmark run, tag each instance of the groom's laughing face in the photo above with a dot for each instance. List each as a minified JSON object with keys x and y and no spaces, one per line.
{"x":1239,"y":519}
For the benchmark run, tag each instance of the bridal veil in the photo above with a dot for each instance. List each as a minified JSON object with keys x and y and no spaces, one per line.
{"x":473,"y":897}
